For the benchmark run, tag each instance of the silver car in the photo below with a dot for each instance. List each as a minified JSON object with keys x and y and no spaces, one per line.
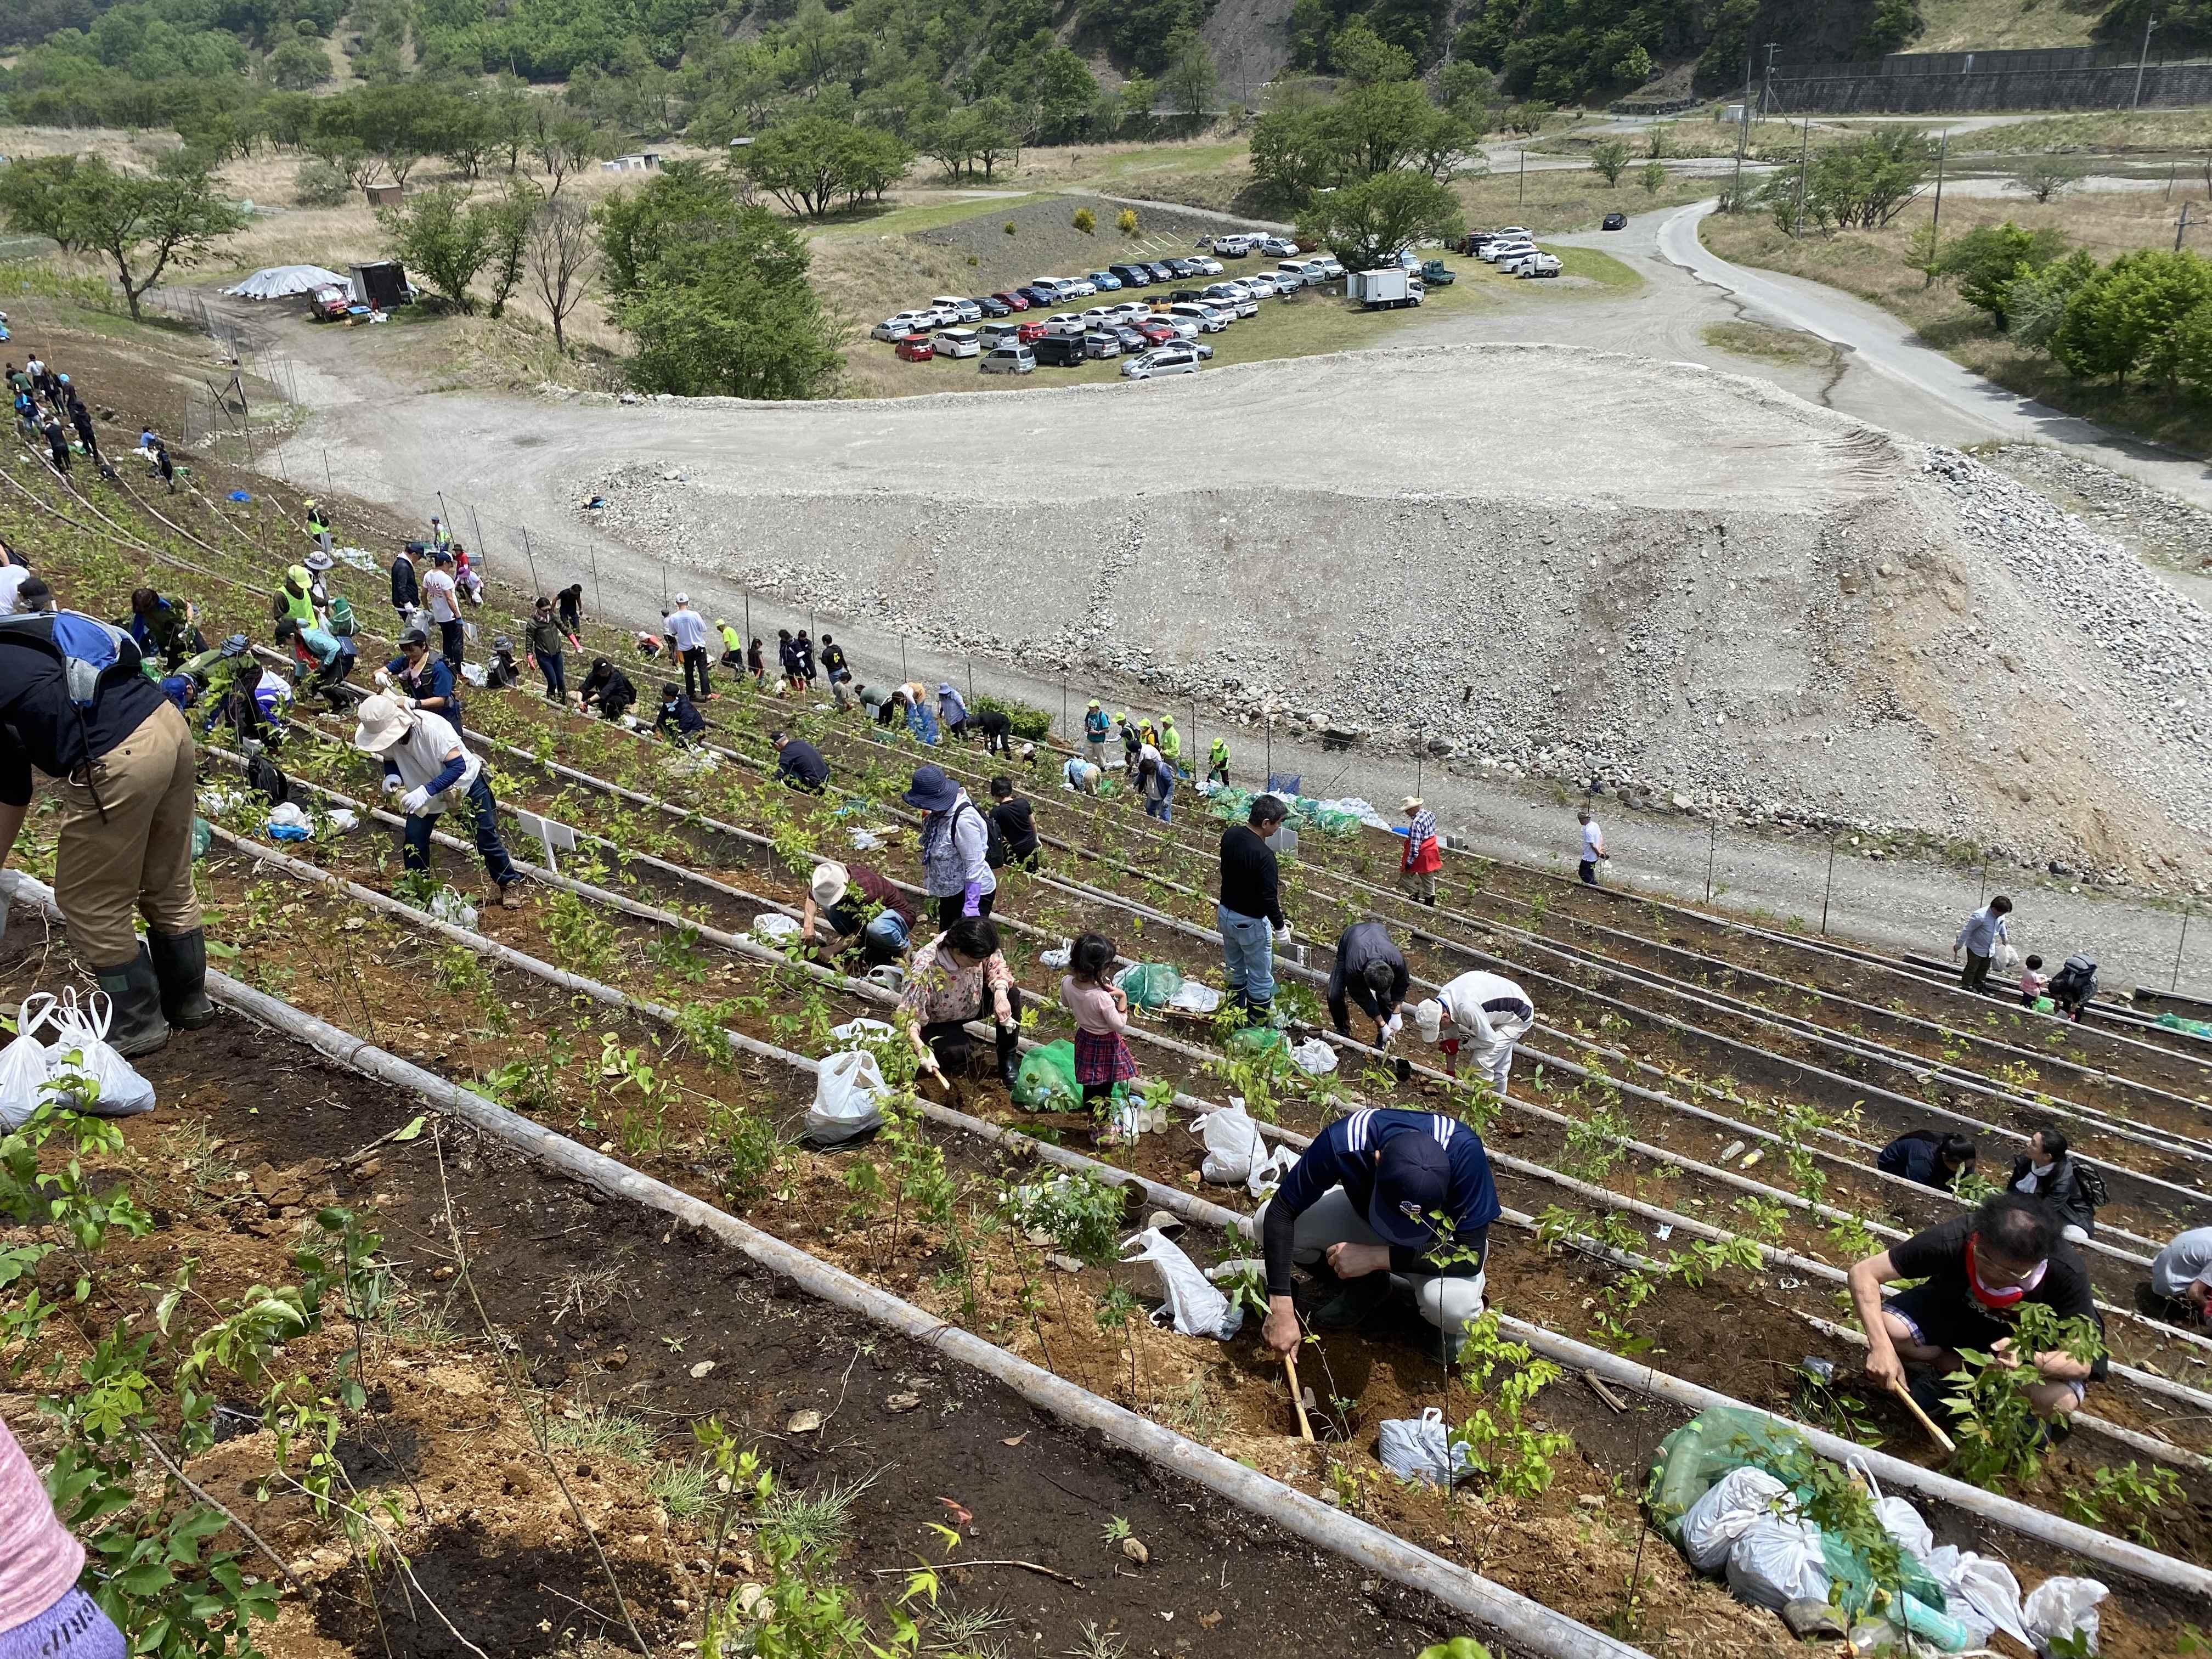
{"x":1009,"y":359}
{"x":1162,"y":360}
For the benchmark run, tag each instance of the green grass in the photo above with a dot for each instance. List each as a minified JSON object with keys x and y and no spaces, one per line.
{"x":2103,"y":131}
{"x":1601,"y":268}
{"x":1167,"y":158}
{"x":1988,"y":25}
{"x":919,"y":215}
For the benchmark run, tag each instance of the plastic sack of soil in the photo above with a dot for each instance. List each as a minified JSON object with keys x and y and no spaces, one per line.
{"x":1775,"y":1562}
{"x":1980,"y":1593}
{"x":1149,"y":984}
{"x":449,"y":906}
{"x":848,"y":1089}
{"x":1059,"y":957}
{"x":1190,"y":1303}
{"x":1195,"y":998}
{"x":1420,"y":1449}
{"x":1728,"y":1510}
{"x":1314,"y":1057}
{"x":775,"y":927}
{"x":81,"y":1059}
{"x":1045,"y":1081}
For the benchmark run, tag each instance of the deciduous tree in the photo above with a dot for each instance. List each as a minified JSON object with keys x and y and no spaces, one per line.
{"x":1368,"y":223}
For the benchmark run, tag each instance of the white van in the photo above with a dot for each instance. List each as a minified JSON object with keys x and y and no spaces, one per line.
{"x":959,"y":343}
{"x":1307,"y":271}
{"x":962,"y":310}
{"x":1209,"y":320}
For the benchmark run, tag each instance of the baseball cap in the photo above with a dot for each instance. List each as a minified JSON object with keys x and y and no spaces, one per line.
{"x":1412,"y":1181}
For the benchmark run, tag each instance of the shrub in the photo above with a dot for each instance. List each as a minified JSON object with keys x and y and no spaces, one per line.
{"x":1085,"y":220}
{"x":319,"y":184}
{"x":1126,"y":223}
{"x":1008,"y":227}
{"x":1030,"y":723}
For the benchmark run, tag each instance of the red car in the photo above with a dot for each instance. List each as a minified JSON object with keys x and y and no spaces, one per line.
{"x":916,"y":348}
{"x":1029,"y":333}
{"x":1158,"y":333}
{"x":1013,"y":301}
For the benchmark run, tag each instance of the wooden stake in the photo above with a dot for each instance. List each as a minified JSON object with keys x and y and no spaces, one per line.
{"x":1924,"y":1420}
{"x":1298,"y":1397}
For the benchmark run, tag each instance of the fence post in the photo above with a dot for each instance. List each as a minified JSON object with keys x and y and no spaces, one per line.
{"x":904,"y":676}
{"x":598,"y":597}
{"x":1982,"y":883}
{"x":485,"y":553}
{"x":1712,"y":847}
{"x":971,"y":680}
{"x":331,"y":486}
{"x":529,"y":555}
{"x":1270,"y":783}
{"x":749,"y":623}
{"x":1066,"y":729}
{"x":1831,"y":889}
{"x":2175,"y":983}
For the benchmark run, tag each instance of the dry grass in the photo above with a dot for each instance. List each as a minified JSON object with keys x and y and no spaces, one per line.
{"x":1555,"y":201}
{"x":1988,"y":25}
{"x":2109,"y":132}
{"x":1760,"y":343}
{"x":1871,"y":265}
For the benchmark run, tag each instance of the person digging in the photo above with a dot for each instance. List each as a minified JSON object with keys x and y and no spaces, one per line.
{"x":958,"y":977}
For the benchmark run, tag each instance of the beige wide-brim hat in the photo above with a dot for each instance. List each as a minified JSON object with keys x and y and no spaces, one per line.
{"x":829,"y":883}
{"x":383,"y":723}
{"x":1410,"y":803}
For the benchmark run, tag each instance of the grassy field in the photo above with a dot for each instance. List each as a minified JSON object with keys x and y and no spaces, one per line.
{"x":1871,"y":265}
{"x":1554,"y":202}
{"x":2105,"y":132}
{"x":1987,"y":25}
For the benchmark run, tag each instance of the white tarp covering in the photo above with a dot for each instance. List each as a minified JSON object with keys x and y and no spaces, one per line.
{"x":281,"y":281}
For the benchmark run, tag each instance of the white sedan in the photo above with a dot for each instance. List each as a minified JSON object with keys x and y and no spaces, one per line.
{"x":959,"y":343}
{"x":898,"y":327}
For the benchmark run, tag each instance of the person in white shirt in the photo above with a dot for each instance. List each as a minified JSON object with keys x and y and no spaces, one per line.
{"x":441,"y":597}
{"x":1594,"y":851}
{"x":687,"y":630}
{"x":1485,"y":1012}
{"x":2181,"y":1275}
{"x":431,"y":770}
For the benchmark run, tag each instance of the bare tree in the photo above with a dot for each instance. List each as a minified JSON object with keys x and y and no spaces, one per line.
{"x":563,"y":147}
{"x":561,"y":255}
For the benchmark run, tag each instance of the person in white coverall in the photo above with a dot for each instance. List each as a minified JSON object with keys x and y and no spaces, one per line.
{"x":1481,"y":1013}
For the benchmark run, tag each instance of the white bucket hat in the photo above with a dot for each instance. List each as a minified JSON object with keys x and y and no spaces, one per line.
{"x":829,"y":884}
{"x":1429,"y":1015}
{"x":383,"y":723}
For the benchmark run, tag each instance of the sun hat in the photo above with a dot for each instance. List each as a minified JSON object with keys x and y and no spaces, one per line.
{"x":1410,"y":803}
{"x":1429,"y":1015}
{"x":830,"y":881}
{"x":944,"y":689}
{"x":932,"y":791}
{"x":1412,"y":1179}
{"x":383,"y":723}
{"x":319,"y":561}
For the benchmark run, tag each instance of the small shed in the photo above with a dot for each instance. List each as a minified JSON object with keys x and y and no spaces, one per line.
{"x":382,"y":283}
{"x":644,"y":160}
{"x":383,"y":194}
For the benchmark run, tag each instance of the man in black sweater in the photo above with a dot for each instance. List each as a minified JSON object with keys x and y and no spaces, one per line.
{"x":1011,"y":814}
{"x":1250,"y":911}
{"x":1371,"y":971}
{"x":798,"y":764}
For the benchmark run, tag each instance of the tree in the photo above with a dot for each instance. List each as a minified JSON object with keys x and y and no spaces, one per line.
{"x":1368,"y":223}
{"x":1610,"y":159}
{"x":811,"y":163}
{"x":1065,"y":92}
{"x":1985,"y":261}
{"x":507,"y":235}
{"x":1189,"y":79}
{"x":2127,"y":317}
{"x":563,"y":147}
{"x":297,"y":65}
{"x":1866,"y":182}
{"x":2047,"y":176}
{"x":438,"y":237}
{"x":1653,"y":177}
{"x":146,"y":223}
{"x":1365,"y":57}
{"x":38,"y":198}
{"x":2035,"y":303}
{"x":1634,"y":68}
{"x":561,"y":256}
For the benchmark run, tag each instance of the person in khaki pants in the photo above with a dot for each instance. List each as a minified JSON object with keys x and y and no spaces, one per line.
{"x":75,"y":704}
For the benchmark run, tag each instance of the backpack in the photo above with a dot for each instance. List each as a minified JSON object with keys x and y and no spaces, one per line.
{"x":342,"y":625}
{"x":2075,"y":981}
{"x":88,"y":648}
{"x":994,"y":842}
{"x":2092,"y":1184}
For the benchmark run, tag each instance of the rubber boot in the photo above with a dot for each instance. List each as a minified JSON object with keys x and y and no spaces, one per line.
{"x":180,"y":966}
{"x":1009,"y":1056}
{"x":138,"y":1027}
{"x":1259,"y":1013}
{"x":1355,"y":1300}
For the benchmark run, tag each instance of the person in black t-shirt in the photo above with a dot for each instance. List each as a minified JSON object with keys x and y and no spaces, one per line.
{"x":1976,"y":1271}
{"x":1250,"y":911}
{"x":1011,"y":813}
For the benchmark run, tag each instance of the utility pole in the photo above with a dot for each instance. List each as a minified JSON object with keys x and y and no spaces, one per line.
{"x":2142,"y":58}
{"x":1935,"y":218}
{"x":1522,"y":199}
{"x":1766,"y":83}
{"x":1742,"y":135}
{"x":1804,"y":157}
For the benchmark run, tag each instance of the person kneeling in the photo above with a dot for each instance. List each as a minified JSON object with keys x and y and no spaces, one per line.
{"x":1976,"y":1271}
{"x":957,"y":977}
{"x":1363,"y":1209}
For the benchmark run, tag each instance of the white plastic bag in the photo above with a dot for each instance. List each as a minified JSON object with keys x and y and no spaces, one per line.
{"x":848,"y":1087}
{"x":859,"y":1033}
{"x":80,"y":1049}
{"x":2060,"y":1608}
{"x":1980,"y":1593}
{"x":1268,"y":1169}
{"x":1314,"y":1057}
{"x":1232,"y":1144}
{"x":343,"y":819}
{"x":773,"y":925}
{"x":888,"y":975}
{"x":1776,"y":1562}
{"x":24,"y":1065}
{"x":1059,"y":957}
{"x":1730,"y":1507}
{"x":1195,"y":1308}
{"x":447,"y":905}
{"x":1195,"y":998}
{"x":1420,"y":1449}
{"x":1903,"y":1523}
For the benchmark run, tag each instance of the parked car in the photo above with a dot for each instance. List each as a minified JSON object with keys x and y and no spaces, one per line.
{"x":1009,"y":359}
{"x":1331,"y":267}
{"x":1211,"y":267}
{"x":1260,"y":285}
{"x":1613,"y":222}
{"x":1166,"y":360}
{"x":1130,"y":339}
{"x":1130,"y":310}
{"x":1209,"y":320}
{"x":991,"y":305}
{"x":1179,"y":268}
{"x":1285,"y":282}
{"x":1278,"y":247}
{"x":1158,"y":333}
{"x":1099,"y":316}
{"x":1134,"y":275}
{"x":1495,"y":251}
{"x":1059,"y":351}
{"x":958,"y":342}
{"x":1237,"y":245}
{"x":1434,"y":273}
{"x":1099,"y":344}
{"x":994,"y":335}
{"x":1030,"y":332}
{"x":1055,"y":286}
{"x":915,"y":349}
{"x":1538,"y":264}
{"x":1042,"y":298}
{"x":963,"y":311}
{"x":1234,"y":295}
{"x":1012,"y":299}
{"x":1105,"y":280}
{"x":905,"y":323}
{"x":1162,"y":272}
{"x":1065,"y":322}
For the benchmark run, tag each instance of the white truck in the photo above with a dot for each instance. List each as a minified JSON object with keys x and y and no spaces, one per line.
{"x":1389,"y":287}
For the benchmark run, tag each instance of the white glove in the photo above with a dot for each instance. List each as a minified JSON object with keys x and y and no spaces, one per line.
{"x":1391,"y":1027}
{"x":383,"y":679}
{"x":1283,"y":934}
{"x":390,"y":783}
{"x":414,"y":801}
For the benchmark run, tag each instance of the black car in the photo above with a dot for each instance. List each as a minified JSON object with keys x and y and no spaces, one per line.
{"x":1134,"y":276}
{"x":1614,"y":221}
{"x":1162,"y":271}
{"x":1057,"y":350}
{"x":991,"y":307}
{"x":1039,"y":296}
{"x":1186,"y":295}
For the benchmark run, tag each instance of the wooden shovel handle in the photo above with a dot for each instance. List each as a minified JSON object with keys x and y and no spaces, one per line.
{"x":1298,"y":1396}
{"x":1924,"y":1420}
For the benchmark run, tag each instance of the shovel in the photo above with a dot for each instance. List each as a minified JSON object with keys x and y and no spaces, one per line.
{"x":1298,"y":1397}
{"x":1925,"y":1421}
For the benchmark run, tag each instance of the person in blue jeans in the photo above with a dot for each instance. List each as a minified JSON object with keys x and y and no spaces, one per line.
{"x":426,"y":764}
{"x":1250,"y":911}
{"x":1155,"y":783}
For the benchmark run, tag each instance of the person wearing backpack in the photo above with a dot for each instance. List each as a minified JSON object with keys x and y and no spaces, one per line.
{"x":75,"y":705}
{"x":2073,"y":985}
{"x":955,"y":842}
{"x":2048,"y":1171}
{"x":1013,"y":830}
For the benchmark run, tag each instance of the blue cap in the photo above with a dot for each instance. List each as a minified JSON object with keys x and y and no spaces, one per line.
{"x":1411,"y":1180}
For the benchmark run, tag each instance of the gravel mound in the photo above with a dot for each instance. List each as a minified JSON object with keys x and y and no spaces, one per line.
{"x":1683,"y":586}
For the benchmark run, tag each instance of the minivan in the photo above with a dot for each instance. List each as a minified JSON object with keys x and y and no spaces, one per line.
{"x":1058,"y":350}
{"x":962,"y":310}
{"x":1132,"y":276}
{"x":1008,"y":359}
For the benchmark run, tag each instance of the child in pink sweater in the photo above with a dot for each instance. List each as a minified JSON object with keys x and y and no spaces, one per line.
{"x":1101,"y":1016}
{"x":43,"y":1614}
